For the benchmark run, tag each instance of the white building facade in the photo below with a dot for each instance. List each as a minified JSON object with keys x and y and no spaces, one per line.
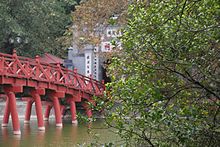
{"x":87,"y":60}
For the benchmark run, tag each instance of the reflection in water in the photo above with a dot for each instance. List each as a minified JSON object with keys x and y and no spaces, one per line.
{"x":69,"y":135}
{"x":73,"y":132}
{"x":5,"y":134}
{"x":40,"y":137}
{"x":14,"y":141}
{"x":58,"y":134}
{"x":26,"y":130}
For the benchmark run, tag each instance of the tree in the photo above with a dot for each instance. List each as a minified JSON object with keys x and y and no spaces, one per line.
{"x":166,"y":79}
{"x":33,"y":27}
{"x":92,"y":16}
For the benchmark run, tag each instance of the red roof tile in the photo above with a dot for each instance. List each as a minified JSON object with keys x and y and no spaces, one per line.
{"x":48,"y":58}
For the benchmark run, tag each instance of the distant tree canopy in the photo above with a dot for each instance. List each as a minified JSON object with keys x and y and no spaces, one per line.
{"x":33,"y":27}
{"x":92,"y":16}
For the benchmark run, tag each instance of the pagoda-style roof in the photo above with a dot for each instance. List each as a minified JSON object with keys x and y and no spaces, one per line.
{"x":51,"y":59}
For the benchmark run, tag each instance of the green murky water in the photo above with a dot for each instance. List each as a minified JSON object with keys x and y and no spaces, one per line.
{"x":68,"y":136}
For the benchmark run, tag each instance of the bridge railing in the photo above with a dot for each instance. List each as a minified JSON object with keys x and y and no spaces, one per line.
{"x":22,"y":67}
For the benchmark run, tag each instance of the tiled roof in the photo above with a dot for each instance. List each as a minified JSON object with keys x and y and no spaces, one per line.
{"x":48,"y":58}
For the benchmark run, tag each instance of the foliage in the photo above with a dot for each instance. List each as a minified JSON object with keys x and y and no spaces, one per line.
{"x":165,"y":88}
{"x":92,"y":16}
{"x":33,"y":27}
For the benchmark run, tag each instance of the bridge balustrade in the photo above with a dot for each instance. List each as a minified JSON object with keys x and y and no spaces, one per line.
{"x":21,"y":67}
{"x":41,"y":78}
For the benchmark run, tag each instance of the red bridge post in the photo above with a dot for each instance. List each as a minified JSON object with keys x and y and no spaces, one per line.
{"x":73,"y":112}
{"x":6,"y":113}
{"x":38,"y":106}
{"x":54,"y":96}
{"x":10,"y":92}
{"x":62,"y":109}
{"x":47,"y":112}
{"x":14,"y":113}
{"x":28,"y":111}
{"x":56,"y":105}
{"x":88,"y":110}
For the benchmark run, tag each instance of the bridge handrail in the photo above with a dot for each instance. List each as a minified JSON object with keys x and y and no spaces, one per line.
{"x":23,"y":67}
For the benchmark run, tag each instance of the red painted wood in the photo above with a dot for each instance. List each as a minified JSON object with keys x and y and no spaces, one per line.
{"x":17,"y":72}
{"x":47,"y":112}
{"x":87,"y":109}
{"x":28,"y":110}
{"x":6,"y":113}
{"x":29,"y":72}
{"x":59,"y":94}
{"x":56,"y":105}
{"x":73,"y":111}
{"x":14,"y":113}
{"x":38,"y":108}
{"x":62,"y":109}
{"x":89,"y":113}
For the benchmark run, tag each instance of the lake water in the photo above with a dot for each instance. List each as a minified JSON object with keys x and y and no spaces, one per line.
{"x":68,"y":136}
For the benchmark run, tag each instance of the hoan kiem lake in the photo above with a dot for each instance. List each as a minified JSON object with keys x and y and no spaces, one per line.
{"x":69,"y":135}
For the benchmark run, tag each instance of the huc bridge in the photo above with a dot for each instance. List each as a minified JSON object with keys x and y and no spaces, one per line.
{"x":35,"y":82}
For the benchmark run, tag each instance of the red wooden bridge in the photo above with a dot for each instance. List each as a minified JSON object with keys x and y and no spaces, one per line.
{"x":35,"y":82}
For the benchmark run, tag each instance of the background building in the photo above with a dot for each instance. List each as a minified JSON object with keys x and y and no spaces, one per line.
{"x":88,"y":60}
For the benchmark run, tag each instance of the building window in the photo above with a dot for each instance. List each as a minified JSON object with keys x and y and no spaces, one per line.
{"x":109,"y":33}
{"x":114,"y":33}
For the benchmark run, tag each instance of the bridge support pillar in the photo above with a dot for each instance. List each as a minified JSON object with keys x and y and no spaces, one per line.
{"x":89,"y":114}
{"x":28,"y":111}
{"x":38,"y":107}
{"x":88,"y":110}
{"x":47,"y":112}
{"x":73,"y":112}
{"x":62,"y":109}
{"x":56,"y":105}
{"x":14,"y":113}
{"x":6,"y":113}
